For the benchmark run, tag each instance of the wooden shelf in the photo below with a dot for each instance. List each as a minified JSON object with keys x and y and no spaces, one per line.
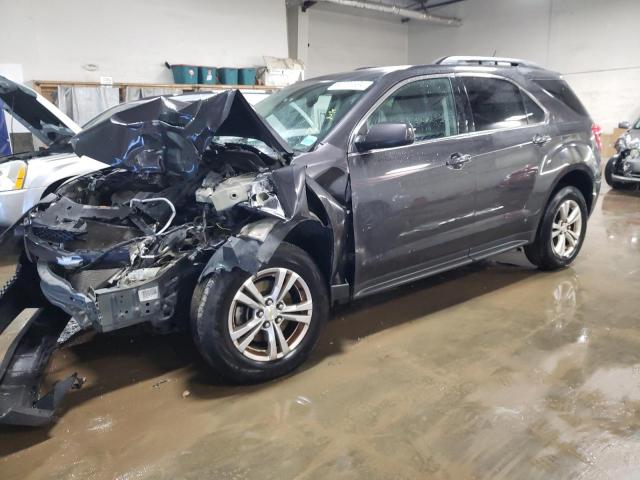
{"x":47,"y":88}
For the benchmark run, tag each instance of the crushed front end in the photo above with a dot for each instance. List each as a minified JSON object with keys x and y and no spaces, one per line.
{"x":126,"y":245}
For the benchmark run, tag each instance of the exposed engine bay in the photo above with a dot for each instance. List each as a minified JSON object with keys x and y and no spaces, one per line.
{"x":125,"y":240}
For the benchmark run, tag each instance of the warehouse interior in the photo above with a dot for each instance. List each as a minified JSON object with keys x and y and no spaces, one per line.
{"x":493,"y":370}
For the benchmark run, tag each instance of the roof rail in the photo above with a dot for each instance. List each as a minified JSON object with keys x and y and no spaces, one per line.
{"x":491,"y":61}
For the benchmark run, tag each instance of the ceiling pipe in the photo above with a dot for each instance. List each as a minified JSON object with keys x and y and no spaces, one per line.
{"x":393,"y":10}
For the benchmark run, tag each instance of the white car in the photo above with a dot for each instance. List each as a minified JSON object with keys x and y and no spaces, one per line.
{"x":26,"y":177}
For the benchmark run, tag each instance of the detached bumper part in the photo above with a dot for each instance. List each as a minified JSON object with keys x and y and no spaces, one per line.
{"x":620,"y":178}
{"x":26,"y":346}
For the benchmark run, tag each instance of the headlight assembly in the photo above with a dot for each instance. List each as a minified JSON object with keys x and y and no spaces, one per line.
{"x":12,"y":175}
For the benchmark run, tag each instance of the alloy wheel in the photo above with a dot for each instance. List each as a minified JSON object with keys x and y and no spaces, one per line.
{"x":270,"y":314}
{"x":566,"y":229}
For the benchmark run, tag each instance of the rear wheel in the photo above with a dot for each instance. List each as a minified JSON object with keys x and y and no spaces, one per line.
{"x":252,"y":328}
{"x":561,"y":232}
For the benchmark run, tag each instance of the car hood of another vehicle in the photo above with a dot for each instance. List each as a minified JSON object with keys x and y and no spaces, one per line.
{"x":170,"y":134}
{"x":37,"y":114}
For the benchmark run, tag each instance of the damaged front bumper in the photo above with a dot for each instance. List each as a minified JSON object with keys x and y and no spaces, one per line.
{"x":106,"y":309}
{"x":26,"y":346}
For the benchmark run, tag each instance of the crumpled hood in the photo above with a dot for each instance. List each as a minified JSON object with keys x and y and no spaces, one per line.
{"x":42,"y":118}
{"x":171,"y":134}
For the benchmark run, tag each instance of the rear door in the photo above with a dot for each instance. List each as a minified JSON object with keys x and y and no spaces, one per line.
{"x":511,"y":140}
{"x":412,"y":206}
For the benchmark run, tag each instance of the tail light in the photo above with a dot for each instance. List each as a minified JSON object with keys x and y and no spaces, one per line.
{"x":597,"y":134}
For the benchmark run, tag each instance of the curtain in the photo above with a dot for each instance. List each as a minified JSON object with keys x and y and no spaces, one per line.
{"x":84,"y":103}
{"x":136,"y":93}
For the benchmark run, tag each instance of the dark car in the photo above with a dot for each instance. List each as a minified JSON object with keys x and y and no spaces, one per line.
{"x":247,"y":227}
{"x":622,"y":170}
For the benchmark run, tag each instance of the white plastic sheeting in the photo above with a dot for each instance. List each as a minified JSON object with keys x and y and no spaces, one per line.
{"x":84,"y":103}
{"x":136,"y":93}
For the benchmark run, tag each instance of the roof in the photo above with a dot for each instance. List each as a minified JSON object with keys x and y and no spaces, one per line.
{"x":508,"y":67}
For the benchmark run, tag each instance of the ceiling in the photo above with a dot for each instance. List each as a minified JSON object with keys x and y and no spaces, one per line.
{"x":417,"y":5}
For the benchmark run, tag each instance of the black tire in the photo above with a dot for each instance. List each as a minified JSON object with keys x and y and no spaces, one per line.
{"x":541,"y":252}
{"x":608,"y":172}
{"x":210,"y":306}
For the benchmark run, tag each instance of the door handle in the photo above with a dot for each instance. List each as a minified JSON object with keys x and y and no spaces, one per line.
{"x":541,"y":139}
{"x":457,"y":160}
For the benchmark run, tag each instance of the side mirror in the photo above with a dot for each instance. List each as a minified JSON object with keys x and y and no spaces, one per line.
{"x":625,"y":125}
{"x":385,"y":135}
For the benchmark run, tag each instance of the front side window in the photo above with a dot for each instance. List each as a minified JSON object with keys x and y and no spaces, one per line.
{"x":495,"y":103}
{"x":427,"y":105}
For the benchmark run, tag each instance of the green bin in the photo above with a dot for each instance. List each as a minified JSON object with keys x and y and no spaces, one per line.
{"x":207,"y":75}
{"x":247,"y":76}
{"x":185,"y":73}
{"x":228,"y":76}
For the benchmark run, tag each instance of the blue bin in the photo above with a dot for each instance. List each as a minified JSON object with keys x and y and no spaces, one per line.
{"x":247,"y":76}
{"x":185,"y":74}
{"x":228,"y":76}
{"x":207,"y":75}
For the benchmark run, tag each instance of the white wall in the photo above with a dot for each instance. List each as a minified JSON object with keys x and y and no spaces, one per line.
{"x":593,"y":43}
{"x":130,"y":40}
{"x":344,"y":39}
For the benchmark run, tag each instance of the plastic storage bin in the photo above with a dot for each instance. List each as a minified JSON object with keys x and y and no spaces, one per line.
{"x":228,"y":76}
{"x":207,"y":75}
{"x":184,"y":73}
{"x":247,"y":76}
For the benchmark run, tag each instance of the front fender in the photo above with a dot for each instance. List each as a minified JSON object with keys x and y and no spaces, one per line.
{"x":253,"y":246}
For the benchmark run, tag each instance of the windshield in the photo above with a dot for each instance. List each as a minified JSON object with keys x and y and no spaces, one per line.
{"x":305,"y":113}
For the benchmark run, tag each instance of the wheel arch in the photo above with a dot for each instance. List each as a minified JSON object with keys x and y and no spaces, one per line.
{"x":313,"y":237}
{"x":580,"y":177}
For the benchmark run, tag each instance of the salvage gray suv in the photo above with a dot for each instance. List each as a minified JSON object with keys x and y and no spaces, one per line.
{"x":246,"y":227}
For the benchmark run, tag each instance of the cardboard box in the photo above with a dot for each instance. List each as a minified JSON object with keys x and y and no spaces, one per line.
{"x":281,"y":72}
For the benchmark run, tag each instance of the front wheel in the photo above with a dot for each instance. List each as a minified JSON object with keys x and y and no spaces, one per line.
{"x":253,"y":328}
{"x":561,"y":231}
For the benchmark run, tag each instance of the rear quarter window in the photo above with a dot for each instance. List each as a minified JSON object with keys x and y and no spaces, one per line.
{"x":560,"y":90}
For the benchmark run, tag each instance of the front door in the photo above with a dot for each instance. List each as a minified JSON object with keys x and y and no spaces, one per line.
{"x":413,"y":206}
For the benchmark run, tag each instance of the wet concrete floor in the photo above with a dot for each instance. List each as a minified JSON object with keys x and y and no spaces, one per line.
{"x":495,"y":371}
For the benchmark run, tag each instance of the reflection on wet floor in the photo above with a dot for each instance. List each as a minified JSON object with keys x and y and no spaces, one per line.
{"x":495,"y":371}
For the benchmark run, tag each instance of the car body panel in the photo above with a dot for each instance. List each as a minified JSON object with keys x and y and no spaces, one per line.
{"x":406,"y":216}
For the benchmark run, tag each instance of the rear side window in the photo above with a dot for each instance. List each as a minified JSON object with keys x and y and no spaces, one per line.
{"x":534,"y":113}
{"x":560,"y":90}
{"x":495,"y":103}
